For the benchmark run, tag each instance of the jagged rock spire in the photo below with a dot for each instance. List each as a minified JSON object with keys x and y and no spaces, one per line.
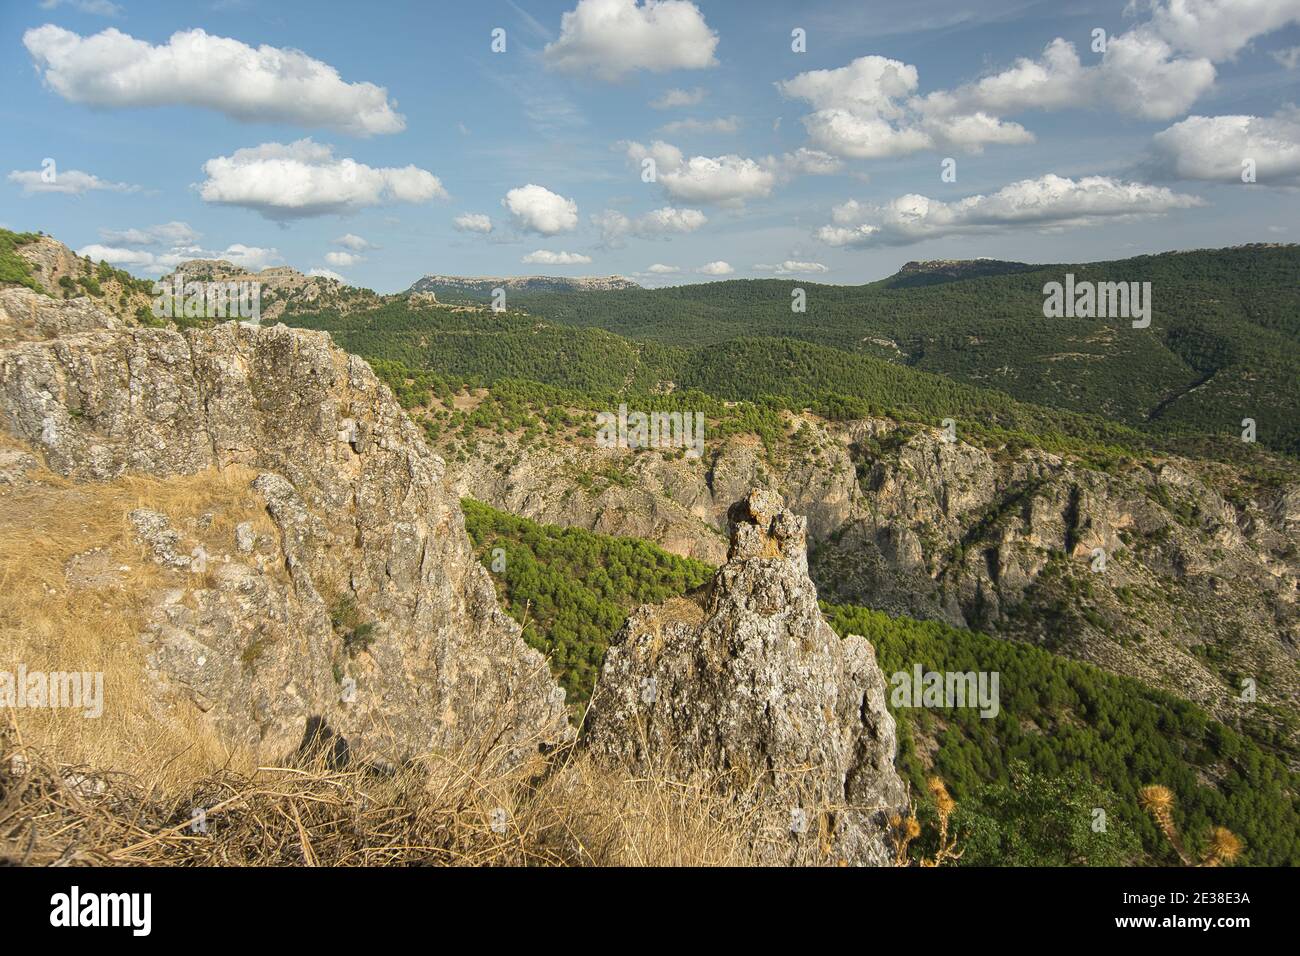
{"x":750,"y":688}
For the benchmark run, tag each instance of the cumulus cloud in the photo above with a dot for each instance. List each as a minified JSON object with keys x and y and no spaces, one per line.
{"x":718,"y":268}
{"x":677,"y":97}
{"x":614,"y":226}
{"x":726,"y":124}
{"x":793,"y":267}
{"x":472,"y":222}
{"x":304,"y":179}
{"x":870,"y":108}
{"x":1139,"y":75}
{"x":725,"y":180}
{"x":167,"y":233}
{"x":353,"y":242}
{"x":660,"y":269}
{"x":69,"y":182}
{"x":611,"y":38}
{"x":252,"y":258}
{"x":1220,"y":29}
{"x":258,"y":85}
{"x":116,"y":255}
{"x":548,"y":258}
{"x":327,"y":274}
{"x":537,"y":209}
{"x":343,"y":259}
{"x":1048,"y":202}
{"x":1213,"y":148}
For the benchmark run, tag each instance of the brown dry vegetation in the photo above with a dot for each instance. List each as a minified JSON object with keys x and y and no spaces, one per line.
{"x":122,"y":789}
{"x":469,"y":809}
{"x":90,"y":619}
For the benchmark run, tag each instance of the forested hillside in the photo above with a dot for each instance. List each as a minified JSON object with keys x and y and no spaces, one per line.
{"x":599,"y":368}
{"x":1068,"y":738}
{"x":1224,"y":340}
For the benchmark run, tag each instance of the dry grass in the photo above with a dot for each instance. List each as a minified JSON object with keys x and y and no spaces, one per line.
{"x":53,"y":621}
{"x":463,"y":810}
{"x":123,"y":789}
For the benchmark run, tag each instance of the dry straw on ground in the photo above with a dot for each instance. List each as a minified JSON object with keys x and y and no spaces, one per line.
{"x":469,"y":809}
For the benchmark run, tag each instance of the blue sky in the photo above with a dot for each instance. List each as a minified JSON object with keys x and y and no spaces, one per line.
{"x":360,"y":153}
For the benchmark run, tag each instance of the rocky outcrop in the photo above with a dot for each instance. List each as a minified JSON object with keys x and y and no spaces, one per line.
{"x":283,"y":289}
{"x":359,"y":609}
{"x":752,"y":690}
{"x":1201,"y":573}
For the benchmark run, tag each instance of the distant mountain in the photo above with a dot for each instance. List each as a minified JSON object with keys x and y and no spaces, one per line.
{"x":1223,"y":343}
{"x":480,"y":287}
{"x":284,"y":289}
{"x":934,"y":271}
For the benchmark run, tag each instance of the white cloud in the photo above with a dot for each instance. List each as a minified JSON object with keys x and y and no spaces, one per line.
{"x":718,"y":268}
{"x":69,"y":182}
{"x":660,"y":269}
{"x":614,"y":226}
{"x":546,"y":257}
{"x":537,"y":209}
{"x":343,"y":259}
{"x":327,"y":274}
{"x":677,"y":97}
{"x":1220,"y":29}
{"x":1289,"y":58}
{"x":727,"y":124}
{"x":1047,"y":202}
{"x":726,"y":180}
{"x":304,"y":179}
{"x":252,"y":258}
{"x":611,"y":38}
{"x":103,"y":8}
{"x":1213,"y":148}
{"x":166,"y":233}
{"x":870,"y":109}
{"x":353,"y":242}
{"x":810,"y":162}
{"x":867,"y":110}
{"x":472,"y":222}
{"x":1139,"y":75}
{"x":793,"y":267}
{"x":117,"y":256}
{"x":263,"y":85}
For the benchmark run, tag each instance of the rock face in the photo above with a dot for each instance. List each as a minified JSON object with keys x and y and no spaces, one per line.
{"x":361,"y":612}
{"x":754,"y":690}
{"x":997,"y":540}
{"x":283,"y":288}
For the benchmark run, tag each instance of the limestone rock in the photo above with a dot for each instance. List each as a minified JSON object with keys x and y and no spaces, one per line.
{"x":754,"y":690}
{"x":364,"y":610}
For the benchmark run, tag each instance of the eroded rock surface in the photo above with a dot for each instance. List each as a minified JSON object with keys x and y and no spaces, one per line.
{"x":364,"y":611}
{"x":751,"y":688}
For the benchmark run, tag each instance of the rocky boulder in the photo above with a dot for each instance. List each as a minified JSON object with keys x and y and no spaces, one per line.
{"x":751,"y":689}
{"x":359,"y":612}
